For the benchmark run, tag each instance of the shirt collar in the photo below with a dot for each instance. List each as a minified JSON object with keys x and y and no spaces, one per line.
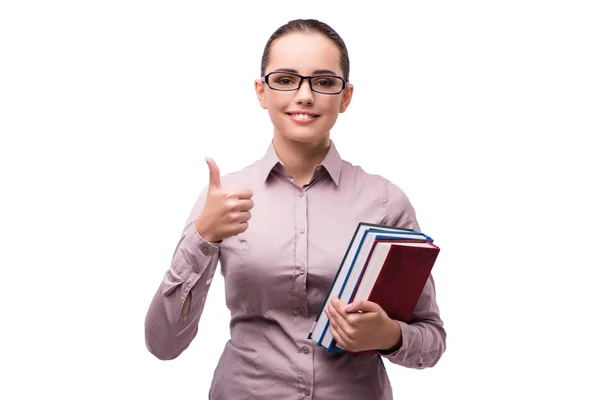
{"x":332,"y":163}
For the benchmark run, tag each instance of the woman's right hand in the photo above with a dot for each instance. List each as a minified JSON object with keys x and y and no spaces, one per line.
{"x":226,"y":212}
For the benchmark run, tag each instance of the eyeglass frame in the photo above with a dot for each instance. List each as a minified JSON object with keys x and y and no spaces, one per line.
{"x":265,"y":79}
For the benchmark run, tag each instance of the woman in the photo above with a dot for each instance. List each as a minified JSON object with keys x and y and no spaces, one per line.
{"x":278,"y":262}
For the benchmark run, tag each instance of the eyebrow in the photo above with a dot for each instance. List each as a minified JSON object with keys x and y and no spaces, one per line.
{"x":315,"y":72}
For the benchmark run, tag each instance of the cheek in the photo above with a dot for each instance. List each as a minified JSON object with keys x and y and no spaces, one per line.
{"x":275,"y":103}
{"x":273,"y":106}
{"x":333,"y":105}
{"x":330,"y":110}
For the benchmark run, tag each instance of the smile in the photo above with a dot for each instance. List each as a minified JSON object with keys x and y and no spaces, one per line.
{"x":303,"y":117}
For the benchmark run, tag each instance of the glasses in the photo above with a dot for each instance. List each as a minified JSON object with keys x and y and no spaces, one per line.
{"x":289,"y":81}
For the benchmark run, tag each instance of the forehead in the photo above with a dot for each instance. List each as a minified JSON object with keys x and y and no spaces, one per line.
{"x":304,"y":52}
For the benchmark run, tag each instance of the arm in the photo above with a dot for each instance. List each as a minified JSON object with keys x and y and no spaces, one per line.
{"x":169,"y":326}
{"x":422,"y":341}
{"x":172,"y":320}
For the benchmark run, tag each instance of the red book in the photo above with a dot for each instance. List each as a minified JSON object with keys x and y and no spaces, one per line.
{"x":395,"y":274}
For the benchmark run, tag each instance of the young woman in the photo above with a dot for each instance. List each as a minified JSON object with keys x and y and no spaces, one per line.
{"x":278,"y":262}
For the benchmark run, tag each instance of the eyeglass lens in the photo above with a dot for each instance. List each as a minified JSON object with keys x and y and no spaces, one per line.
{"x":323,"y":84}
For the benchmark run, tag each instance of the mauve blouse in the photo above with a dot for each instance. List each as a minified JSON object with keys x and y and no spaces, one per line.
{"x":277,"y":274}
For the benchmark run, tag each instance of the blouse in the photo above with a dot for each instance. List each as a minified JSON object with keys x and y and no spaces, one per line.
{"x":277,"y":274}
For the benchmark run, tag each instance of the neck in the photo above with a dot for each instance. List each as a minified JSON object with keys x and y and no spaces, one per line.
{"x":300,"y":158}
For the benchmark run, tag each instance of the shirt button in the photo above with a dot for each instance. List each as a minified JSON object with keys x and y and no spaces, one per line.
{"x":301,"y":230}
{"x":196,"y":269}
{"x":305,"y":350}
{"x":301,"y":194}
{"x":300,"y":269}
{"x":307,"y":392}
{"x":300,"y":310}
{"x":204,"y":250}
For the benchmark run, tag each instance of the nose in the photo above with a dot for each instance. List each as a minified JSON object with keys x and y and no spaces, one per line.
{"x":304,"y":95}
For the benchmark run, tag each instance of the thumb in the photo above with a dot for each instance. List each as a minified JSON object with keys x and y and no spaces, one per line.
{"x":362,"y":305}
{"x":214,"y":180}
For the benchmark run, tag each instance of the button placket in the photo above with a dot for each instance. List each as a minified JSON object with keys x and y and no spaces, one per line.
{"x":299,"y":298}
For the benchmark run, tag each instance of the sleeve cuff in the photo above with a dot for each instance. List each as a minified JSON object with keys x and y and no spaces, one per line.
{"x":400,"y":356}
{"x":403,"y":330}
{"x":205,"y":244}
{"x":194,"y":254}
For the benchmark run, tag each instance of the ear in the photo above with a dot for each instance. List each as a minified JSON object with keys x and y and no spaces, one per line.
{"x":259,"y":87}
{"x":346,"y":97}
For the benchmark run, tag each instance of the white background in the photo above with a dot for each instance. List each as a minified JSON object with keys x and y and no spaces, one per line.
{"x":484,"y":113}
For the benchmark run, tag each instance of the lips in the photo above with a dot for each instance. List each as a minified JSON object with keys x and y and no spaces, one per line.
{"x":303,"y":116}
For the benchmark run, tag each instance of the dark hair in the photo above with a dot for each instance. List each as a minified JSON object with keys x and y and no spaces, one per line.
{"x":308,"y":26}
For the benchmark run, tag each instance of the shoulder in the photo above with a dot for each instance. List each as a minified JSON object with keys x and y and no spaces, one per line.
{"x":398,"y":210}
{"x":247,"y":176}
{"x":355,"y":175}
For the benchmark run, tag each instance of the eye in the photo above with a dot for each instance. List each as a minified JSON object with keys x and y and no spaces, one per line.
{"x":285,"y":80}
{"x":324,"y":82}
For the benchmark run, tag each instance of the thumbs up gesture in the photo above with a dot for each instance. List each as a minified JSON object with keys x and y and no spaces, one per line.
{"x":226,"y":212}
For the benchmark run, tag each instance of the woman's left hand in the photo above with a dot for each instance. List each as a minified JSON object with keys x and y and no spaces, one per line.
{"x":362,"y":325}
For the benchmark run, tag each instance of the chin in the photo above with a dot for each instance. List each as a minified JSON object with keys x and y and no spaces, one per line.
{"x":307,"y":134}
{"x":305,"y":137}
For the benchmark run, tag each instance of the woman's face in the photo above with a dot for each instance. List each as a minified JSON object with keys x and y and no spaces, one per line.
{"x":304,"y":54}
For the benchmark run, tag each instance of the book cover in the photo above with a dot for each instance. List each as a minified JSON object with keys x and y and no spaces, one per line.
{"x":361,"y":228}
{"x":350,"y":272}
{"x":369,"y":259}
{"x":400,"y":280}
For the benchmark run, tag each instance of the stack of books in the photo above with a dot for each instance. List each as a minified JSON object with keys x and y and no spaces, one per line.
{"x":383,"y":264}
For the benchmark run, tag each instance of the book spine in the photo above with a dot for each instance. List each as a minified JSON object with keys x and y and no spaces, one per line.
{"x":321,"y":311}
{"x":312,"y":329}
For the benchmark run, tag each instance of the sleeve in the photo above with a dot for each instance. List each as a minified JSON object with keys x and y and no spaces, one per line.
{"x":168,"y":332}
{"x":424,"y":337}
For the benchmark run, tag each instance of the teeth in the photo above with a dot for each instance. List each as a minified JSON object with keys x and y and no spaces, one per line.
{"x":302,"y":116}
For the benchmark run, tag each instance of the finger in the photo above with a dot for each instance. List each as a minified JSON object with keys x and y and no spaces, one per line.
{"x":244,"y":205}
{"x":242,"y":216}
{"x":239,"y":228}
{"x":339,"y":306}
{"x":235,"y":205}
{"x":235,"y":218}
{"x":214,"y":177}
{"x":362,"y":305}
{"x":241,"y":193}
{"x":340,"y":313}
{"x":340,"y":339}
{"x":340,"y":321}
